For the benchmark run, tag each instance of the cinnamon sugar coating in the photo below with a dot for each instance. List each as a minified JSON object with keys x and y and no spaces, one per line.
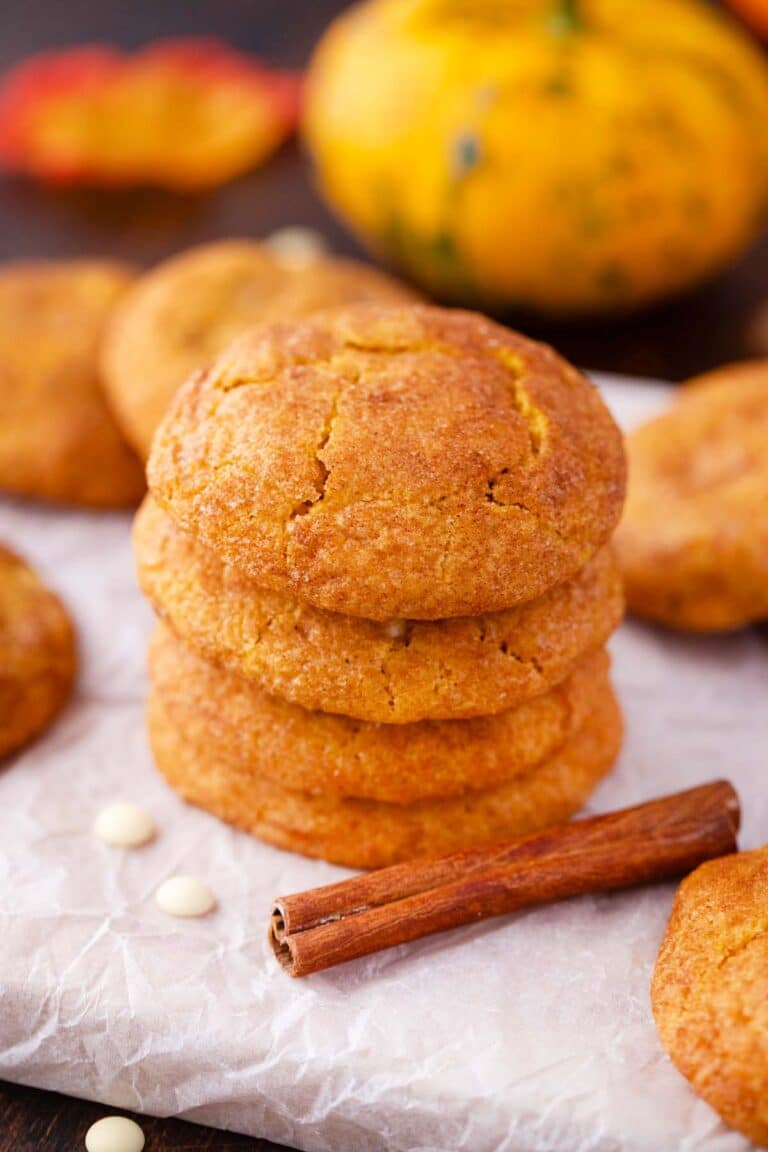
{"x":395,"y":671}
{"x":369,"y":834}
{"x":37,"y":654}
{"x":333,"y":755}
{"x":693,"y":543}
{"x":181,"y":314}
{"x":710,"y":988}
{"x":390,"y":462}
{"x":58,"y":438}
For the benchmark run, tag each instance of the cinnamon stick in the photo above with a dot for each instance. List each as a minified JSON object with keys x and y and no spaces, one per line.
{"x":313,"y":930}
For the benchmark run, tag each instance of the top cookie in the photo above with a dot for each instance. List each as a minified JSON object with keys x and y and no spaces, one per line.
{"x":183,"y":313}
{"x":710,"y":988}
{"x":58,"y":438}
{"x":393,"y":462}
{"x":693,"y":544}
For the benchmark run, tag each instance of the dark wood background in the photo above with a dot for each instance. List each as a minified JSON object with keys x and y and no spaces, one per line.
{"x":726,"y":320}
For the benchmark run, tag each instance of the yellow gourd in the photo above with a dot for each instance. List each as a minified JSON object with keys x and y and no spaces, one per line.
{"x":549,"y":154}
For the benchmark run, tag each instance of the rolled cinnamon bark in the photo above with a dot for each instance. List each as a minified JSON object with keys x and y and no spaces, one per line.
{"x":320,"y":928}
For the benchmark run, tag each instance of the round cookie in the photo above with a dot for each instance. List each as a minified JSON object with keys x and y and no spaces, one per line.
{"x":693,"y":543}
{"x":58,"y":439}
{"x":393,"y":462}
{"x":710,"y":988}
{"x":332,"y":755}
{"x":179,"y":316}
{"x":367,"y":834}
{"x":393,"y":672}
{"x":37,"y":654}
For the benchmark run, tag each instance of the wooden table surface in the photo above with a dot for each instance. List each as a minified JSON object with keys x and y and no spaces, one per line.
{"x":726,"y":320}
{"x":33,"y":1121}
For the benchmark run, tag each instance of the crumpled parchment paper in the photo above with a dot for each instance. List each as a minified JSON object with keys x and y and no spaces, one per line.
{"x":531,"y":1033}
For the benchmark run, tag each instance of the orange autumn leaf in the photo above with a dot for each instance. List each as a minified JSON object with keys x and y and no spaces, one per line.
{"x":180,"y":114}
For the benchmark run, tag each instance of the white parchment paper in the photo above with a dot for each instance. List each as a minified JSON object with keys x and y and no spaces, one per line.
{"x":531,"y":1033}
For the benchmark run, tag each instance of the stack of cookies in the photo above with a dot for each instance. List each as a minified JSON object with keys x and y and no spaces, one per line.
{"x":377,"y":542}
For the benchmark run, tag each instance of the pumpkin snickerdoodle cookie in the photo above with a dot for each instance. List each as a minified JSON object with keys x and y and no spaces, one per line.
{"x":318,"y":752}
{"x":710,"y":988}
{"x":394,"y":672}
{"x":393,"y":462}
{"x":58,"y":439}
{"x":179,"y":316}
{"x":693,"y":543}
{"x":370,"y":834}
{"x":37,"y":654}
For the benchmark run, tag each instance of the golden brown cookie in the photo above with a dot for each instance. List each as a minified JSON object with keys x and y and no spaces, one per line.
{"x":393,"y":462}
{"x":37,"y":654}
{"x":397,"y":671}
{"x":58,"y":439}
{"x":334,"y":755}
{"x":368,"y":834}
{"x":693,"y":543}
{"x":710,"y":988}
{"x":181,"y":315}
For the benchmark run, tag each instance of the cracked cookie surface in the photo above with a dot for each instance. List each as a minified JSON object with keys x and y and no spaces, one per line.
{"x":710,"y":988}
{"x":37,"y":654}
{"x":693,"y":542}
{"x":371,"y":834}
{"x":393,"y":462}
{"x":180,"y":315}
{"x":58,"y":438}
{"x":335,"y":755}
{"x":395,"y":671}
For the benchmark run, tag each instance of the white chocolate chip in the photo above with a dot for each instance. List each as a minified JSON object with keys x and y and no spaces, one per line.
{"x":185,"y":896}
{"x":296,"y":246}
{"x":395,"y":629}
{"x":124,"y":825}
{"x":114,"y":1134}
